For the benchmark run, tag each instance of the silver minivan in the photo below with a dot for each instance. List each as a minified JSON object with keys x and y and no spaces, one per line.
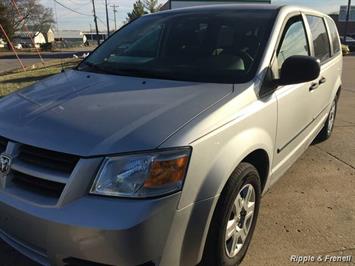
{"x":156,"y":148}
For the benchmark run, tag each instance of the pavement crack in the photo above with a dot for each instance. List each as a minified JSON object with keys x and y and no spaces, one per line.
{"x":345,"y":126}
{"x":350,"y":122}
{"x":349,"y":90}
{"x":342,"y":250}
{"x":337,"y":158}
{"x":328,"y":252}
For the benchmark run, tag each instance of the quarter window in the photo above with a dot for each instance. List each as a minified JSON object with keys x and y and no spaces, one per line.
{"x":334,"y":35}
{"x":294,"y":41}
{"x":319,"y":37}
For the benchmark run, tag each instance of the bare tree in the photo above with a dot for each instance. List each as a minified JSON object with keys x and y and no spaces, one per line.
{"x":3,"y":16}
{"x":4,"y":19}
{"x":37,"y":17}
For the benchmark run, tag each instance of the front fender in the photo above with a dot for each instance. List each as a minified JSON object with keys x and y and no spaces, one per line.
{"x":222,"y":165}
{"x":217,"y":154}
{"x":240,"y":129}
{"x":206,"y":183}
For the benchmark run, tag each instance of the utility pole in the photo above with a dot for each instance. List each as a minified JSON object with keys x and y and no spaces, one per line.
{"x":95,"y":20}
{"x":114,"y":13}
{"x":347,"y":21}
{"x":107,"y":21}
{"x":91,"y":32}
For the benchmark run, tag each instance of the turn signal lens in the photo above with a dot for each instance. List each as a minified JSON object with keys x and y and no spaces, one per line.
{"x":165,"y":172}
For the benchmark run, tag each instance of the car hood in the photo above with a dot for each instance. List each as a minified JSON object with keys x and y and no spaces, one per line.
{"x":89,"y":114}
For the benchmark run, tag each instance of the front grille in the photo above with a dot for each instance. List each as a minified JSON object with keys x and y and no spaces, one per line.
{"x":48,"y":159}
{"x":3,"y":144}
{"x":37,"y":185}
{"x":39,"y":175}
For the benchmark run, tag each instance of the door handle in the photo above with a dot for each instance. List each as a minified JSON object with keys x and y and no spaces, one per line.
{"x":322,"y":80}
{"x":313,"y":86}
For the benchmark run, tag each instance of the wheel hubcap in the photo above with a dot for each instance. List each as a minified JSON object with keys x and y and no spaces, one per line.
{"x":331,"y":119}
{"x":240,"y":220}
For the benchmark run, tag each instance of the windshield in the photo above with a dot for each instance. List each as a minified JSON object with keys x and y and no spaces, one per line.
{"x":222,"y":46}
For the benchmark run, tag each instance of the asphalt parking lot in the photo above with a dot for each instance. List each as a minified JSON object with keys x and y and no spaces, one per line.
{"x":311,"y":210}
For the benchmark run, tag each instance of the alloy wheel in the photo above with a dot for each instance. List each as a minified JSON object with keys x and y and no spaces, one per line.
{"x":331,"y":118}
{"x":240,"y":220}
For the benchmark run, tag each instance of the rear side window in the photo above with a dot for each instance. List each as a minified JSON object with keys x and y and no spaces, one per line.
{"x":319,"y":37}
{"x":333,"y":35}
{"x":294,"y":40}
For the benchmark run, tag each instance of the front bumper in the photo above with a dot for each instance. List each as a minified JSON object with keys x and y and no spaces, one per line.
{"x":97,"y":229}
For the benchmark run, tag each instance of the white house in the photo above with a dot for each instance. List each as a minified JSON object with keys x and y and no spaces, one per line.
{"x":24,"y":38}
{"x":50,"y":35}
{"x":2,"y":43}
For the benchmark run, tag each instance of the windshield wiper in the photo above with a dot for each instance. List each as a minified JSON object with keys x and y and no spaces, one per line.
{"x":144,"y":73}
{"x":97,"y":68}
{"x":129,"y":71}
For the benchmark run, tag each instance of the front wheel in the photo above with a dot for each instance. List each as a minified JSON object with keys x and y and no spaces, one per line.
{"x":327,"y":130}
{"x":234,"y":219}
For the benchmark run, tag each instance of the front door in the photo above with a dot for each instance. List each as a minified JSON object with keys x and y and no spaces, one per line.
{"x":294,"y":102}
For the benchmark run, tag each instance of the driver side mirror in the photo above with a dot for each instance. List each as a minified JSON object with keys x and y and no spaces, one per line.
{"x":299,"y":69}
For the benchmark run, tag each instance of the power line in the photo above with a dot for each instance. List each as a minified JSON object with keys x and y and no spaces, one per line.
{"x":81,"y":3}
{"x":77,"y":12}
{"x":100,"y":20}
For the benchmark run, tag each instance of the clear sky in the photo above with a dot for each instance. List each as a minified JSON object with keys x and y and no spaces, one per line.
{"x":68,"y":20}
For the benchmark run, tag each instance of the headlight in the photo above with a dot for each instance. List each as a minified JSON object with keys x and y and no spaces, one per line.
{"x":142,"y":175}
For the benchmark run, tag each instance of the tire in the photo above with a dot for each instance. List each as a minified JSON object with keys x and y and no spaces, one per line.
{"x":218,"y":249}
{"x":328,"y":127}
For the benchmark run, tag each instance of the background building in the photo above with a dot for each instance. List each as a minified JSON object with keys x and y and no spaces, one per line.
{"x":24,"y":38}
{"x":49,"y":35}
{"x":92,"y":37}
{"x":340,"y":20}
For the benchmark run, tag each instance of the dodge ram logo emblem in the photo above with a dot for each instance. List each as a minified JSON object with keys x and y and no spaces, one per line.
{"x":5,"y":163}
